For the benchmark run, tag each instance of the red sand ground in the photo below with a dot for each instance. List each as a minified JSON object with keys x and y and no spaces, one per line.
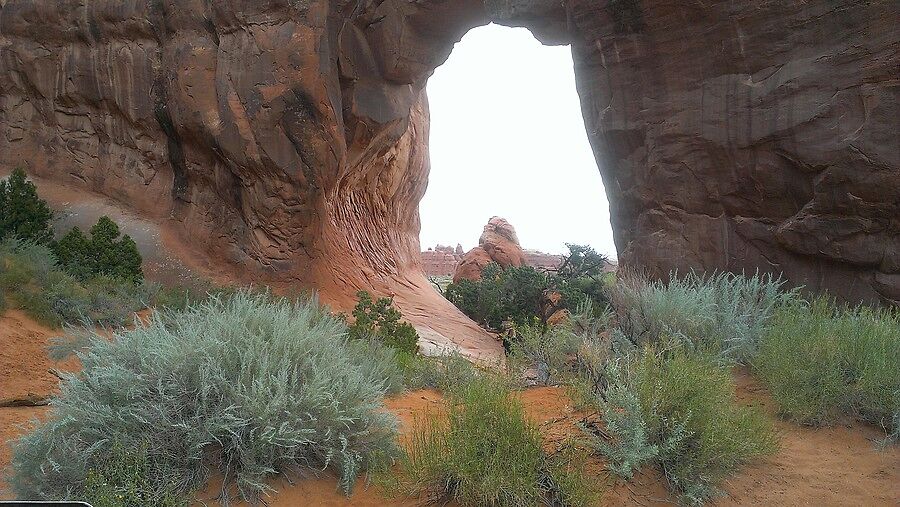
{"x":820,"y":467}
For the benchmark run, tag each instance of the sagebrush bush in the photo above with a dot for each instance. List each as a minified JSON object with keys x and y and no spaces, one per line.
{"x":485,"y":452}
{"x":819,"y":361}
{"x":621,"y":410}
{"x":247,"y":385}
{"x":33,"y":282}
{"x":703,"y":435}
{"x":724,"y":313}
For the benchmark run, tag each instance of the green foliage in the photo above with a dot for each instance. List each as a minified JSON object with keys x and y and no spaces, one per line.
{"x":380,"y":320}
{"x":546,"y":353}
{"x":484,"y":453}
{"x":34,"y":283}
{"x":621,"y":410}
{"x":580,"y":278}
{"x":520,"y":296}
{"x":819,"y":361}
{"x":22,"y":213}
{"x":105,"y":253}
{"x":725,"y":313}
{"x":442,"y":373}
{"x":241,"y":384}
{"x":703,"y":435}
{"x":124,"y":479}
{"x":513,"y":295}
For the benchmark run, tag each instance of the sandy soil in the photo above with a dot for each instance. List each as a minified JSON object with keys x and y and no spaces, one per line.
{"x":827,"y":466}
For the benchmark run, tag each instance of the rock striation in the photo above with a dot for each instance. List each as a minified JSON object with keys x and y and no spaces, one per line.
{"x":288,"y":138}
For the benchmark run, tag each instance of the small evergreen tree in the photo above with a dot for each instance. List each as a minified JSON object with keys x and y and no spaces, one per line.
{"x":72,"y":252}
{"x":22,"y":213}
{"x":379,"y":319}
{"x":103,"y":254}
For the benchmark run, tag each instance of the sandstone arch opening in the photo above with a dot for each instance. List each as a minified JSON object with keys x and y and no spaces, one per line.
{"x":508,"y":138}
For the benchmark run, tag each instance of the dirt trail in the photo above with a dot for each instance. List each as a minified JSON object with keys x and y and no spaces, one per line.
{"x":821,"y":467}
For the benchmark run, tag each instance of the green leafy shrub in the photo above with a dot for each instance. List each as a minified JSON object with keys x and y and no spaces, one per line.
{"x":724,"y":313}
{"x":248,"y":385}
{"x":521,"y":296}
{"x":34,"y":283}
{"x":702,"y":434}
{"x":512,"y":295}
{"x":581,"y":279}
{"x":819,"y":361}
{"x":485,"y":453}
{"x":22,"y":213}
{"x":104,"y":254}
{"x":380,"y":320}
{"x":125,"y":479}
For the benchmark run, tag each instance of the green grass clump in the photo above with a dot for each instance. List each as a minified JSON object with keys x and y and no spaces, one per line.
{"x":485,"y":453}
{"x":820,"y":361}
{"x":247,"y":385}
{"x":33,"y":282}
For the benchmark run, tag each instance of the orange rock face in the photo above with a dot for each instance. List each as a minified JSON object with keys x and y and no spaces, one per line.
{"x":498,"y":243}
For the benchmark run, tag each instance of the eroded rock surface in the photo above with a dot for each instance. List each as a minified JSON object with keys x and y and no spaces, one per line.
{"x":498,"y":243}
{"x":289,"y":137}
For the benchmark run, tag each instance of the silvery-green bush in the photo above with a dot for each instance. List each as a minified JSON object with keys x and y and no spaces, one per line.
{"x":726,"y":312}
{"x":246,"y":386}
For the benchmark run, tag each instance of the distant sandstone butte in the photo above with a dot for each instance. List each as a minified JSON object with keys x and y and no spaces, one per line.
{"x":289,"y":138}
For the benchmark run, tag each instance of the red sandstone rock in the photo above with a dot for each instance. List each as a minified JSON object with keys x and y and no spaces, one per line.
{"x":498,"y":243}
{"x":289,"y":139}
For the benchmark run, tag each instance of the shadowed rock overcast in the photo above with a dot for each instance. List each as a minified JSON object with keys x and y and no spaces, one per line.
{"x":508,"y":139}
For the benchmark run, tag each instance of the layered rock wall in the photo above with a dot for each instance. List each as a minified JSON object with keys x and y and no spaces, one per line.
{"x":289,"y":137}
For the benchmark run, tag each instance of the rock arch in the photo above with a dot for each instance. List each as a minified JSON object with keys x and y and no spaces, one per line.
{"x":289,"y":137}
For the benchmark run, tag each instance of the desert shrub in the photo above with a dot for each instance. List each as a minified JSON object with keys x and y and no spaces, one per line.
{"x":621,"y":410}
{"x":726,"y":313}
{"x":580,"y":279}
{"x":512,"y":295}
{"x":484,"y":453}
{"x":35,"y":284}
{"x":22,"y":213}
{"x":442,"y":373}
{"x":105,"y":253}
{"x":380,"y":320}
{"x":703,"y":435}
{"x":820,"y":360}
{"x":241,"y":384}
{"x":546,"y":352}
{"x":125,"y":479}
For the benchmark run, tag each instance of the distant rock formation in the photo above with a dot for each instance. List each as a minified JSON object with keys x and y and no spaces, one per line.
{"x":441,"y":260}
{"x":498,"y":243}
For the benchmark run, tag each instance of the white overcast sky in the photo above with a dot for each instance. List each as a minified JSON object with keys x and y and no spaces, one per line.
{"x":507,"y":139}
